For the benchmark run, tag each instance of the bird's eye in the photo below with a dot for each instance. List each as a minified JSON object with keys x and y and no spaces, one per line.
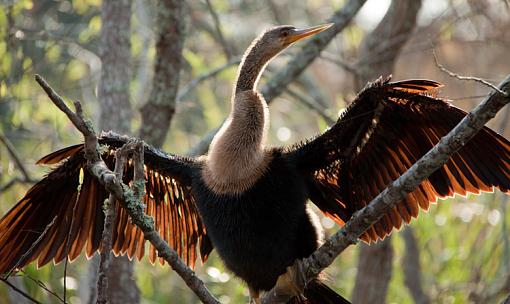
{"x":285,"y":33}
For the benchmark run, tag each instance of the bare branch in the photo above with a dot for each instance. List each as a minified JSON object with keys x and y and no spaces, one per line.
{"x":37,"y":241}
{"x":227,"y":49}
{"x":21,"y":292}
{"x":14,"y":154}
{"x":128,"y":198}
{"x":109,"y":220}
{"x":394,"y":193}
{"x":311,"y":104}
{"x":188,"y":88}
{"x":341,"y":63}
{"x":43,"y":286}
{"x":82,"y":125}
{"x":471,"y":78}
{"x":14,"y":181}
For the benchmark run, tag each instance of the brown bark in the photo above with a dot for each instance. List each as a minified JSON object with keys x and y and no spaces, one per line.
{"x":113,"y":90}
{"x":374,"y":266}
{"x":116,"y":114}
{"x":384,"y":43}
{"x":158,"y":112}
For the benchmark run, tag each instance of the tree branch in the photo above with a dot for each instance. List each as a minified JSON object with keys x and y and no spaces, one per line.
{"x":387,"y":199}
{"x":471,"y":78}
{"x":14,"y":181}
{"x":129,"y":198}
{"x":227,"y":49}
{"x":311,"y":105}
{"x":14,"y":154}
{"x":21,"y":292}
{"x":159,"y":110}
{"x":184,"y":92}
{"x":110,"y":216}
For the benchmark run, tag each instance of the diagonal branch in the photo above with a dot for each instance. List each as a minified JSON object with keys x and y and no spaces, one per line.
{"x":386,"y":200}
{"x":227,"y":49}
{"x":14,"y":154}
{"x":18,"y":290}
{"x":129,"y":198}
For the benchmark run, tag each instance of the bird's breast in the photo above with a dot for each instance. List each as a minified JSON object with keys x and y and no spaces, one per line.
{"x":257,"y":232}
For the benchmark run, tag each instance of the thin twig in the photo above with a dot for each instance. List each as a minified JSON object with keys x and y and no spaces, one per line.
{"x":121,"y":156}
{"x":341,"y":63}
{"x":227,"y":49}
{"x":14,"y":154}
{"x":37,"y":241}
{"x":312,"y":105}
{"x":188,"y":88}
{"x":407,"y":182}
{"x":21,"y":292}
{"x":469,"y":78}
{"x":42,"y":285}
{"x":124,"y":194}
{"x":14,"y":181}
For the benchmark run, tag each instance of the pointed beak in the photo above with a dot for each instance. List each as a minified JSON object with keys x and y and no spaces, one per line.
{"x":303,"y":33}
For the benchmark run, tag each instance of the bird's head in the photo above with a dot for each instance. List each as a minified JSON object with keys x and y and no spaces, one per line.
{"x":276,"y":39}
{"x":267,"y":46}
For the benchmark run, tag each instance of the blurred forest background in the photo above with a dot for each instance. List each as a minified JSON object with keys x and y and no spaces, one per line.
{"x":459,"y":252}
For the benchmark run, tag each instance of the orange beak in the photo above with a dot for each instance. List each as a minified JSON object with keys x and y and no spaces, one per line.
{"x":300,"y":34}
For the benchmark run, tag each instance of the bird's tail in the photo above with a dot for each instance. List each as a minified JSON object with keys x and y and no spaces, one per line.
{"x":317,"y":292}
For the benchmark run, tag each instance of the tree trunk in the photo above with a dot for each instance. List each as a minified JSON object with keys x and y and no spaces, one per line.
{"x":412,"y":268}
{"x":116,"y":115}
{"x":158,"y":112}
{"x":378,"y":53}
{"x":374,"y":273}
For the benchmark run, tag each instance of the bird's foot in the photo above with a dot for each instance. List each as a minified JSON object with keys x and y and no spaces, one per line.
{"x":254,"y":296}
{"x":293,"y":281}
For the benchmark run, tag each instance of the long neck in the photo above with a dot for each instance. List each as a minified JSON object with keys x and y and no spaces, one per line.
{"x":253,"y":64}
{"x":236,"y":156}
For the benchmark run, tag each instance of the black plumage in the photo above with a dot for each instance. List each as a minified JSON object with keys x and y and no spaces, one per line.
{"x":267,"y":225}
{"x":249,"y":201}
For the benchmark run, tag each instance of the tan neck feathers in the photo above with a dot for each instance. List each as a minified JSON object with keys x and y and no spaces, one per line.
{"x":237,"y":156}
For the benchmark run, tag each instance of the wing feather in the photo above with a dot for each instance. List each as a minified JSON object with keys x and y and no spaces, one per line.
{"x":379,"y":137}
{"x":71,"y":197}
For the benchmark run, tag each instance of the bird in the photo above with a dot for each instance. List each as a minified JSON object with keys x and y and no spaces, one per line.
{"x":248,"y":200}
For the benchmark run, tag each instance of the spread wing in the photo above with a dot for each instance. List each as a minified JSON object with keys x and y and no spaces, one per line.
{"x":63,"y":213}
{"x":380,"y":136}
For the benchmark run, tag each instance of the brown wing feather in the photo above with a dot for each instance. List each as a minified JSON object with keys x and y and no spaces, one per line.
{"x":382,"y":134}
{"x":26,"y":232}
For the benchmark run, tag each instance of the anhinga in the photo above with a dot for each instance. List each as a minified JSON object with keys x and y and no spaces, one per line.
{"x":248,"y":200}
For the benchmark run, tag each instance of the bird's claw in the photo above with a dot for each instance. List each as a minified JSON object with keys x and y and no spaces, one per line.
{"x":254,"y":296}
{"x":293,"y":281}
